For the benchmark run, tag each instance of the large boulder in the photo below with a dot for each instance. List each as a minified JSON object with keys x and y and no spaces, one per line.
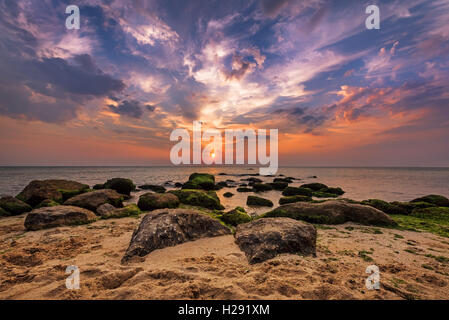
{"x":199,"y":198}
{"x":49,"y":217}
{"x":121,"y":185}
{"x":14,"y":206}
{"x":203,"y":181}
{"x":235,"y":217}
{"x":265,"y":238}
{"x":92,"y":200}
{"x":258,"y":201}
{"x":170,"y":227}
{"x":332,"y":212}
{"x":434,"y":199}
{"x":58,"y":190}
{"x":153,"y":201}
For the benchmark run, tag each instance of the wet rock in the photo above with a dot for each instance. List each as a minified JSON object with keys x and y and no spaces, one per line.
{"x":258,"y":201}
{"x":170,"y":227}
{"x":294,"y":191}
{"x":280,"y":186}
{"x":332,"y":212}
{"x":121,"y":185}
{"x":152,"y":187}
{"x":228,"y":194}
{"x":263,"y":239}
{"x":235,"y":217}
{"x":92,"y":200}
{"x":58,"y":190}
{"x":153,"y":201}
{"x":14,"y":206}
{"x":130,"y":210}
{"x":384,"y":206}
{"x":261,"y":187}
{"x":49,"y":217}
{"x":203,"y":181}
{"x":200,"y":198}
{"x":292,"y":199}
{"x":434,"y":199}
{"x":244,"y":189}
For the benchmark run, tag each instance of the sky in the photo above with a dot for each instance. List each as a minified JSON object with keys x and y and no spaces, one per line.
{"x":111,"y":92}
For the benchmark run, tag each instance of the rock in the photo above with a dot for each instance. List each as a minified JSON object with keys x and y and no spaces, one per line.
{"x":280,"y":186}
{"x":153,"y":201}
{"x":335,"y":191}
{"x":92,"y":200}
{"x":292,"y":199}
{"x":435,"y":199}
{"x":4,"y":213}
{"x":263,"y":239}
{"x":107,"y":211}
{"x":385,"y":206}
{"x":436,"y":213}
{"x":294,"y":191}
{"x":98,"y":186}
{"x":203,"y":181}
{"x":260,"y":187}
{"x":228,"y":194}
{"x":223,"y":184}
{"x":121,"y":185}
{"x":200,"y":198}
{"x":49,"y":217}
{"x":314,"y":186}
{"x":320,"y":194}
{"x":58,"y":190}
{"x":284,"y":180}
{"x":14,"y":206}
{"x":169,"y":227}
{"x":244,"y":189}
{"x":178,"y":184}
{"x":258,"y":201}
{"x":152,"y":187}
{"x":407,"y":208}
{"x":47,"y":203}
{"x":332,"y":212}
{"x":235,"y":217}
{"x":252,"y":180}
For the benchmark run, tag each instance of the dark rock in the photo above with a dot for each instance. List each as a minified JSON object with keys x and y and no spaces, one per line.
{"x":130,"y":210}
{"x":47,"y":203}
{"x":292,"y":199}
{"x":58,"y":190}
{"x":228,"y":194}
{"x":98,"y":186}
{"x":314,"y":186}
{"x":294,"y":191}
{"x":4,"y":213}
{"x":280,"y":186}
{"x":285,"y":180}
{"x":153,"y":201}
{"x":170,"y":227}
{"x":253,"y":180}
{"x":152,"y":187}
{"x":178,"y":184}
{"x":257,"y":201}
{"x":407,"y":208}
{"x":263,"y":239}
{"x":92,"y":200}
{"x":235,"y":217}
{"x":385,"y":206}
{"x":203,"y":181}
{"x":14,"y":206}
{"x":335,"y":191}
{"x":200,"y":198}
{"x":49,"y":217}
{"x":260,"y":187}
{"x":244,"y":189}
{"x":435,"y":199}
{"x":121,"y":185}
{"x":332,"y":212}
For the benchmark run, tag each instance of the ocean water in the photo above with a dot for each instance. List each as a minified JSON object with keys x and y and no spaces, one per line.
{"x":390,"y":184}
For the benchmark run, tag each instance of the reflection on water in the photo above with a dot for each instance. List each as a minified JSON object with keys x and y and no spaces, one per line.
{"x":401,"y":184}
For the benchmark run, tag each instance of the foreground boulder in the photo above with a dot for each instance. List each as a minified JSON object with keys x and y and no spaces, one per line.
{"x":332,"y":212}
{"x":199,"y":198}
{"x":58,"y":190}
{"x":153,"y":201}
{"x":49,"y":217}
{"x":121,"y":185}
{"x":92,"y":200}
{"x":258,"y":201}
{"x":434,"y":199}
{"x":263,"y":239}
{"x":13,"y":206}
{"x":235,"y":217}
{"x":170,"y":227}
{"x":203,"y":181}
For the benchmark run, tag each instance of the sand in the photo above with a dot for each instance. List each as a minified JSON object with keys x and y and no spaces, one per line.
{"x":33,"y":264}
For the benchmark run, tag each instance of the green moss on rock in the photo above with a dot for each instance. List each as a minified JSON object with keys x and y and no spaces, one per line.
{"x":200,"y":198}
{"x":153,"y":201}
{"x":260,"y":187}
{"x":121,"y":185}
{"x":47,"y":203}
{"x":291,"y":199}
{"x":294,"y":191}
{"x":314,"y":186}
{"x":244,"y":189}
{"x":4,"y":213}
{"x":434,"y":199}
{"x":14,"y":206}
{"x":131,"y":210}
{"x":203,"y":181}
{"x":258,"y":201}
{"x":384,"y":206}
{"x":235,"y":217}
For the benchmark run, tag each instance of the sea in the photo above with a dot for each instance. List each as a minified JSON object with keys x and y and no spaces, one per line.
{"x":389,"y":184}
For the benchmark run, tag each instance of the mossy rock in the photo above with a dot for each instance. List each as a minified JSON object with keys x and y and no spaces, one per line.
{"x":294,"y":191}
{"x":408,"y":207}
{"x":244,"y":189}
{"x":4,"y":213}
{"x":200,"y":198}
{"x":335,"y":191}
{"x":235,"y":217}
{"x":283,"y":180}
{"x":291,"y":199}
{"x":152,"y":187}
{"x":153,"y":201}
{"x":67,"y":194}
{"x":130,"y":210}
{"x":14,"y":206}
{"x":384,"y":206}
{"x":314,"y":186}
{"x":47,"y":203}
{"x":228,"y":194}
{"x":434,"y":213}
{"x":280,"y":186}
{"x":121,"y":185}
{"x":260,"y":187}
{"x":434,"y":199}
{"x":321,"y":194}
{"x":258,"y":201}
{"x":203,"y":181}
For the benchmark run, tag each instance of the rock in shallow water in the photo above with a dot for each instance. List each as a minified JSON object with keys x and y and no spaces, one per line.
{"x":169,"y":227}
{"x":153,"y":201}
{"x":50,"y":217}
{"x":265,"y":238}
{"x":332,"y":212}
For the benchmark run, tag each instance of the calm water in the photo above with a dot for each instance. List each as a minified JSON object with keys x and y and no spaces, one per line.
{"x":389,"y":184}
